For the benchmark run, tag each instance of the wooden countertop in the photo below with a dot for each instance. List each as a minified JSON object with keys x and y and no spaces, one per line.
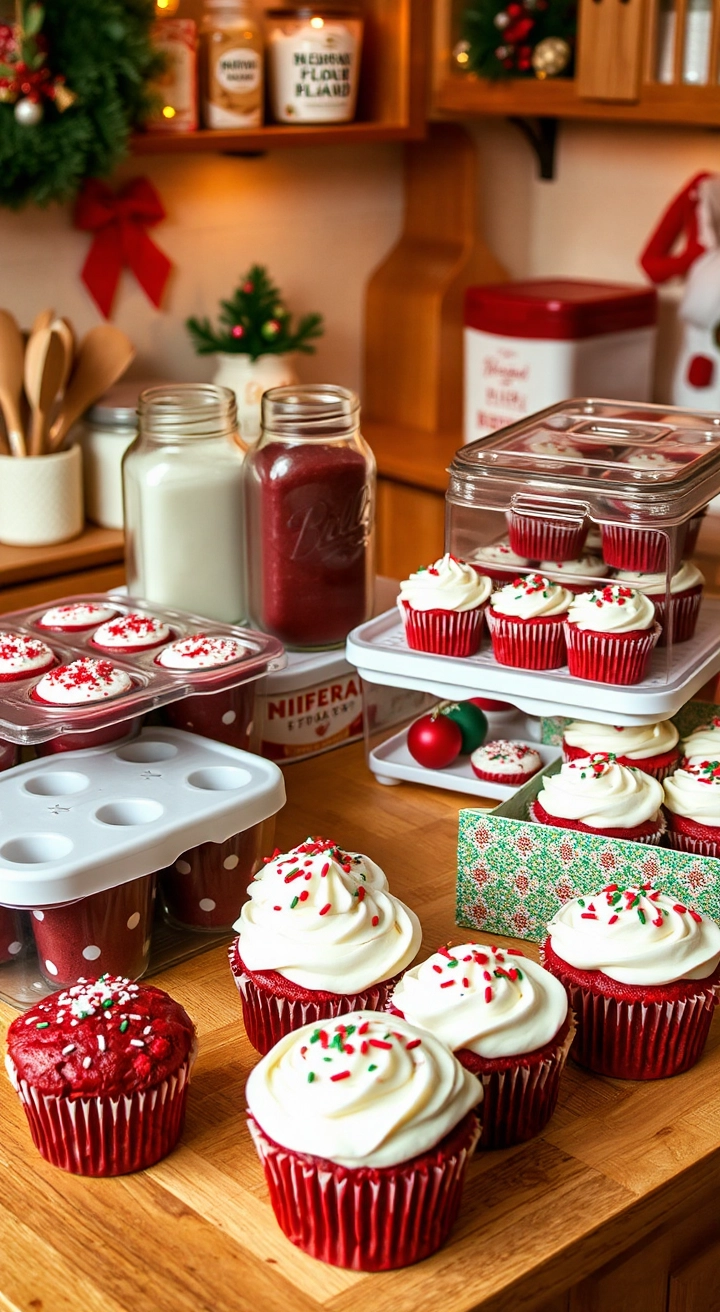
{"x":196,"y":1232}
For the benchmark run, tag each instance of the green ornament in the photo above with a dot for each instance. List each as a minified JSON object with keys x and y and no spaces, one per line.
{"x":270,"y":329}
{"x":471,"y":722}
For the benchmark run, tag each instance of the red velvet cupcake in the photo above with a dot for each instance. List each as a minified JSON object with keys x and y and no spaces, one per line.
{"x":82,"y":683}
{"x":108,"y":931}
{"x":76,"y":616}
{"x":225,"y":716}
{"x":319,"y":936}
{"x":632,"y":546}
{"x":506,"y":1019}
{"x":643,"y":974}
{"x":610,"y":635}
{"x":597,"y":795}
{"x":364,"y":1128}
{"x":504,"y":762}
{"x":652,"y":748}
{"x":500,"y":563}
{"x":102,"y":1071}
{"x":21,"y":657}
{"x":683,"y":604}
{"x":692,"y":807}
{"x":526,"y":621}
{"x":130,"y":634}
{"x":442,"y":607}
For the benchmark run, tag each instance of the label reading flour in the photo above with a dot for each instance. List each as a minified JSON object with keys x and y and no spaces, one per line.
{"x":315,"y":74}
{"x":311,"y":720}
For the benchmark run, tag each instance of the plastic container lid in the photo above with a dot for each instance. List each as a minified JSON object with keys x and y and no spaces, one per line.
{"x":117,"y":408}
{"x":561,"y":309}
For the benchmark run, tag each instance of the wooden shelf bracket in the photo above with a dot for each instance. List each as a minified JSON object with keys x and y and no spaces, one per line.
{"x":541,"y":133}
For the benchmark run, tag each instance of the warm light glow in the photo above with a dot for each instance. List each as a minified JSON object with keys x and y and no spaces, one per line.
{"x":168,"y":111}
{"x":462,"y":57}
{"x":165,"y":7}
{"x":317,"y":22}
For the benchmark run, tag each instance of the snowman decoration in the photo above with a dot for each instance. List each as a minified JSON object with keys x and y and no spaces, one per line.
{"x":686,"y":243}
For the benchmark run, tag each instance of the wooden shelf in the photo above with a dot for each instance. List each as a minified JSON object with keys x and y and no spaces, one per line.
{"x":273,"y":137}
{"x":92,"y":562}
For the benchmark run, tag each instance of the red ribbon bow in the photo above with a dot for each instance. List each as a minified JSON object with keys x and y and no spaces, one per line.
{"x":119,"y":223}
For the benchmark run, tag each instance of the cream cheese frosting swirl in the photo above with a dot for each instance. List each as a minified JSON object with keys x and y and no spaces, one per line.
{"x":500,"y":554}
{"x":592,"y":567}
{"x":704,"y":742}
{"x":635,"y":936}
{"x":612,"y":609}
{"x":494,"y":1001}
{"x":655,"y":585}
{"x":448,"y":584}
{"x":324,"y":919}
{"x":634,"y":741}
{"x":694,"y":792}
{"x":531,"y":597}
{"x":601,"y":793}
{"x":366,"y":1090}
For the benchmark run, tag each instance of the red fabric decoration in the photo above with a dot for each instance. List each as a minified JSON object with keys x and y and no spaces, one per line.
{"x":679,"y":219}
{"x":119,"y":223}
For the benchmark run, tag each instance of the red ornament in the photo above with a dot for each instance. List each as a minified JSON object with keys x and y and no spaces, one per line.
{"x":434,"y":741}
{"x":514,"y":10}
{"x":238,"y":330}
{"x":248,"y":288}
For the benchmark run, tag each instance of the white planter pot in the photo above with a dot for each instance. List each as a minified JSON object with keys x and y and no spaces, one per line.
{"x":248,"y":379}
{"x":41,"y":498}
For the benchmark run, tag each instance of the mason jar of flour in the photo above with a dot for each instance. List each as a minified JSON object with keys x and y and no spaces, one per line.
{"x":184,"y":520}
{"x":313,"y":56}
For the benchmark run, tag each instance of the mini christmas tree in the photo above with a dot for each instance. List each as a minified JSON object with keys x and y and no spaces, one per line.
{"x":255,"y":322}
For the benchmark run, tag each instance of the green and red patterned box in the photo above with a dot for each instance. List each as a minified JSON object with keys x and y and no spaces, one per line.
{"x":514,"y":875}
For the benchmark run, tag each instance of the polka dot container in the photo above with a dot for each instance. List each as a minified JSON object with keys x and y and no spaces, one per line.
{"x":205,"y":888}
{"x":107,"y":932}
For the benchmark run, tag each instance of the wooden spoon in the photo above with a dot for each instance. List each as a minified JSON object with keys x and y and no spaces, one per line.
{"x":11,"y":380}
{"x":46,"y":370}
{"x":42,"y":320}
{"x":103,"y":355}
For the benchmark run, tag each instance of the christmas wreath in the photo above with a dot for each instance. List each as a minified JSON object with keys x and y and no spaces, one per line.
{"x":255,"y":322}
{"x":523,"y":38}
{"x":73,"y":83}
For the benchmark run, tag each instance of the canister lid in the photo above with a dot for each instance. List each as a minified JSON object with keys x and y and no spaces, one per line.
{"x":117,"y":408}
{"x":562,"y":309}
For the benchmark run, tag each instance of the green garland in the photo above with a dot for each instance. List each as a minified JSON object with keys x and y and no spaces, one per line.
{"x":499,"y":38}
{"x":255,"y":322}
{"x":102,"y":49}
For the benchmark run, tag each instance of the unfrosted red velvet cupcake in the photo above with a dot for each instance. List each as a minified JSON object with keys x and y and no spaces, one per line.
{"x":597,"y":795}
{"x":107,"y":931}
{"x":683,"y":603}
{"x":102,"y":1072}
{"x":634,"y":547}
{"x":506,"y":1019}
{"x":504,"y":762}
{"x":224,"y":716}
{"x":526,"y":621}
{"x":76,"y":616}
{"x":84,"y":682}
{"x":129,"y":634}
{"x":692,"y":807}
{"x":652,"y":748}
{"x":643,"y":974}
{"x":319,"y":936}
{"x":22,"y":657}
{"x":544,"y":537}
{"x":610,"y":635}
{"x":364,"y":1127}
{"x":442,"y":606}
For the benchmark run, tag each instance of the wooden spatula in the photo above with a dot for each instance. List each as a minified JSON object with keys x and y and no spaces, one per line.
{"x":103,"y":355}
{"x":46,"y":370}
{"x":11,"y":380}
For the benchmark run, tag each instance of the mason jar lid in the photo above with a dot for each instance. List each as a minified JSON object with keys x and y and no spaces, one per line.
{"x":117,"y":408}
{"x":187,"y":410}
{"x":311,"y":410}
{"x":335,"y":10}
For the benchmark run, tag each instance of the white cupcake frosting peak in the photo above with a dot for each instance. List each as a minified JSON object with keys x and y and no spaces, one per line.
{"x":655,"y":585}
{"x":601,"y":793}
{"x":493,"y":1001}
{"x":368,"y":1089}
{"x":82,"y":681}
{"x":21,"y":654}
{"x":532,"y":596}
{"x":325,"y":919}
{"x":635,"y":935}
{"x":634,"y":741}
{"x":704,"y":742}
{"x":612,"y":609}
{"x":448,"y":584}
{"x":593,"y":567}
{"x":694,"y":791}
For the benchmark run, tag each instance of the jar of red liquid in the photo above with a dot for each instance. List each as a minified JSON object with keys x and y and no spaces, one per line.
{"x":310,"y":489}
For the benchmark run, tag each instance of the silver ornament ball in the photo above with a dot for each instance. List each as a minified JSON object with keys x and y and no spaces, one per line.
{"x":28,"y":112}
{"x":501,"y":20}
{"x":550,"y":56}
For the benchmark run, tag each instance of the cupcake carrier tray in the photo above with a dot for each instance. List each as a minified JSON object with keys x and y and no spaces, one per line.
{"x":87,"y":821}
{"x":391,"y":762}
{"x":379,"y":652}
{"x":25,"y":721}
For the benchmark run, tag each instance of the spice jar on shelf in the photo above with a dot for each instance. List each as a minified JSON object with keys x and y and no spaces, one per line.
{"x":231,"y":65}
{"x":175,"y":88}
{"x":310,"y":497}
{"x":184,"y":520}
{"x":314,"y":62}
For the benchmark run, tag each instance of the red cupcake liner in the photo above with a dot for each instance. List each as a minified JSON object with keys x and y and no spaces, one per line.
{"x":641,"y":550}
{"x":687,"y":835}
{"x":207,"y":885}
{"x":269,"y":1015}
{"x":659,"y":767}
{"x":638,"y":1039}
{"x":648,"y":832}
{"x":225,"y":716}
{"x":537,"y":644}
{"x":545,"y":539}
{"x":442,"y":632}
{"x":12,"y":935}
{"x":108,"y":932}
{"x":520,"y":1093}
{"x":512,"y":780}
{"x":106,"y":1136}
{"x":368,"y":1219}
{"x":620,"y":658}
{"x":685,"y":607}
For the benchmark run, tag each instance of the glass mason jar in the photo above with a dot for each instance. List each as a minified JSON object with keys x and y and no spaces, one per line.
{"x":313,"y":57}
{"x":183,"y":491}
{"x":310,"y":489}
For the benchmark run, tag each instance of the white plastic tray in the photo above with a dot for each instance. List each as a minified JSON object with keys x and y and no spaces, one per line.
{"x":379,"y":652}
{"x":81,"y":822}
{"x":391,"y":762}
